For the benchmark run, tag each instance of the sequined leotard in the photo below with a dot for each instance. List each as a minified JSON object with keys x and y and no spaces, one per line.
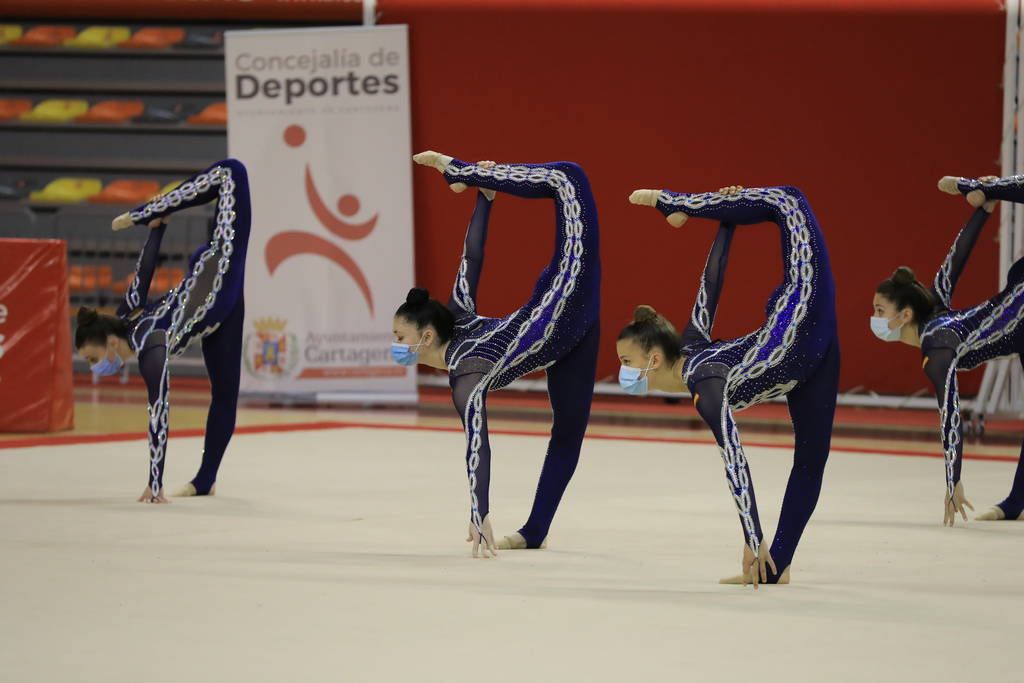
{"x":795,"y":353}
{"x":556,"y":330}
{"x":207,"y":305}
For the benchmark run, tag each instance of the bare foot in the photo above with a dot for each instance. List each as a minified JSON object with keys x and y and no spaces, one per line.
{"x":433,"y":159}
{"x":650,"y":198}
{"x":644,"y":197}
{"x":996,"y":514}
{"x":947,"y":184}
{"x":188,"y":491}
{"x":440,"y":162}
{"x":122,"y":222}
{"x":738,"y":580}
{"x":975,"y":198}
{"x":517,"y":542}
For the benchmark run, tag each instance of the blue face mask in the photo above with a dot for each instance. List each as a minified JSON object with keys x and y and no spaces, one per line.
{"x":880,"y":328}
{"x":403,"y":354}
{"x":106,"y":366}
{"x":634,"y":380}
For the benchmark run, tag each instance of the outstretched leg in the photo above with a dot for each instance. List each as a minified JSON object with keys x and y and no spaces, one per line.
{"x":199,"y":189}
{"x":571,"y":390}
{"x":216,"y":280}
{"x":812,"y":407}
{"x":535,"y":181}
{"x":222,"y":353}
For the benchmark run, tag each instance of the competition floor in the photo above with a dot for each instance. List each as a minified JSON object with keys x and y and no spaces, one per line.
{"x":334,"y":551}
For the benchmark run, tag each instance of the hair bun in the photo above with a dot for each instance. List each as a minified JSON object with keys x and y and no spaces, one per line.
{"x":87,"y":316}
{"x":904,"y":276}
{"x":644,"y":314}
{"x":417,"y":296}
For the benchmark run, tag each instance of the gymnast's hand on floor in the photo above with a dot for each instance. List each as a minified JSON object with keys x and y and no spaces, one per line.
{"x":487,"y":538}
{"x":758,"y":569}
{"x":755,"y":571}
{"x":957,"y":503}
{"x":148,"y":497}
{"x":730,"y":189}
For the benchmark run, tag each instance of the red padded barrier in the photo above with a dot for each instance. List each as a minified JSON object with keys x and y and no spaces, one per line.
{"x":35,"y":339}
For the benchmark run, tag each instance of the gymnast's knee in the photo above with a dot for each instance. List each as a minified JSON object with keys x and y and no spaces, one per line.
{"x":794,"y":192}
{"x":236,"y":167}
{"x":572,"y":170}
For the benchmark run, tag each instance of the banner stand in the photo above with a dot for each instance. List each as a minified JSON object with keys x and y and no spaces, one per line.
{"x":321,"y":119}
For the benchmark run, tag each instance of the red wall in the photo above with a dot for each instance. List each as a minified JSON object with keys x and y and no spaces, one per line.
{"x":862,"y":103}
{"x":862,"y":108}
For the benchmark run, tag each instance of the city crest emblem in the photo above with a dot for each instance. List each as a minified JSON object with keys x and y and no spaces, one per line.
{"x":270,"y":351}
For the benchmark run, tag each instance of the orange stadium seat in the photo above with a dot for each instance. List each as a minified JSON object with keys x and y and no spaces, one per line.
{"x":215,"y":114}
{"x":154,"y":38}
{"x":68,"y":190}
{"x":13,"y":108}
{"x":74,"y":278}
{"x":56,"y":111}
{"x":45,"y":36}
{"x":9,"y":32}
{"x":105,"y":277}
{"x":82,"y":278}
{"x":113,"y":111}
{"x":126,"y":191}
{"x":99,"y":37}
{"x":121,"y":285}
{"x":166,"y":278}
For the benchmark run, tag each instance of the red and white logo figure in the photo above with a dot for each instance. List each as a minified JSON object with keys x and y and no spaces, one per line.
{"x":285,"y":245}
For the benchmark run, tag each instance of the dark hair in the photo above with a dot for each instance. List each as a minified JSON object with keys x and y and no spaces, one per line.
{"x":903,"y":289}
{"x":650,"y":329}
{"x":421,"y":310}
{"x":94,"y":328}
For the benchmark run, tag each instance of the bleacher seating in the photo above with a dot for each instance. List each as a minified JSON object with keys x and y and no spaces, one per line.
{"x":67,"y":190}
{"x":154,"y":38}
{"x":12,"y":108}
{"x":45,"y":35}
{"x":9,"y":32}
{"x":208,"y":39}
{"x":96,"y":119}
{"x":215,"y":114}
{"x":113,"y":111}
{"x":56,"y":110}
{"x":99,"y":37}
{"x":127,"y":192}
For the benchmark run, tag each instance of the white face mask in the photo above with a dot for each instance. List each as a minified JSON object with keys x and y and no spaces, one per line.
{"x":880,"y":326}
{"x":634,"y":380}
